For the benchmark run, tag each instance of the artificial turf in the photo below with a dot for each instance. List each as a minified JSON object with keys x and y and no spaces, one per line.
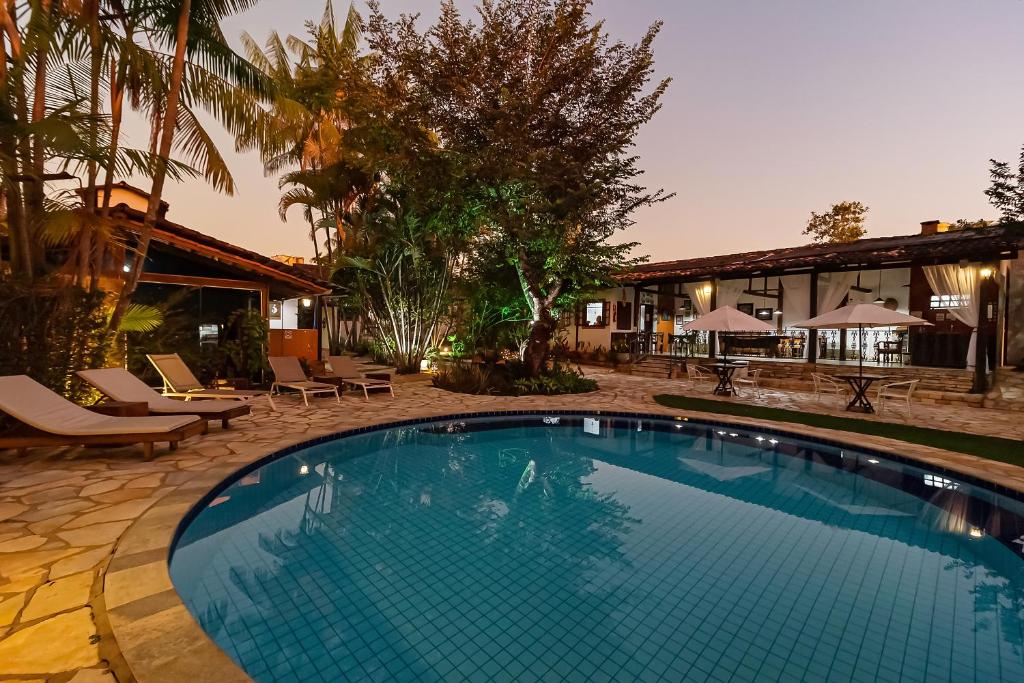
{"x":991,"y":447}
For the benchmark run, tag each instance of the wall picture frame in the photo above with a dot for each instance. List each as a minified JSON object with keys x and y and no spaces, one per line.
{"x":745,"y":308}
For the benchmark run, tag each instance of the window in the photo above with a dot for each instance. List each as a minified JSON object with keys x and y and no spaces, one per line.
{"x":950,"y":301}
{"x":595,"y":314}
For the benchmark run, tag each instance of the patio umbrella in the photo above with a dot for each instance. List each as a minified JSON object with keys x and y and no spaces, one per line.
{"x":727,"y":319}
{"x":860,"y":316}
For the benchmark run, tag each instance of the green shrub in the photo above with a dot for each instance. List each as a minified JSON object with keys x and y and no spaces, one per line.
{"x":509,"y":380}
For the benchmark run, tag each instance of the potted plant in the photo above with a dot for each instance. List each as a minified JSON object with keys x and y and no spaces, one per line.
{"x":620,"y":351}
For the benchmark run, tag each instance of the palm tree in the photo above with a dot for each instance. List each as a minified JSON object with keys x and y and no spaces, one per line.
{"x":193,"y":29}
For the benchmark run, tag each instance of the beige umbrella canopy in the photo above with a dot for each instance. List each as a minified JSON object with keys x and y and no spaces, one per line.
{"x":727,"y":319}
{"x":860,"y":316}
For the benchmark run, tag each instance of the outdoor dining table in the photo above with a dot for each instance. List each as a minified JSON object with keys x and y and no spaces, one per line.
{"x":725,"y":372}
{"x":860,"y":383}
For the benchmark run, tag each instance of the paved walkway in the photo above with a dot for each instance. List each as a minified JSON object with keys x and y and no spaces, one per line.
{"x":64,"y":513}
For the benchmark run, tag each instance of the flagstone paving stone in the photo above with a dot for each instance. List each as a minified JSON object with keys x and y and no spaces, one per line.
{"x":70,"y":508}
{"x":59,"y":596}
{"x":65,"y":642}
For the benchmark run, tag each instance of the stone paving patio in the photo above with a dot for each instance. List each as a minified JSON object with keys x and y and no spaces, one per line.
{"x":84,"y":594}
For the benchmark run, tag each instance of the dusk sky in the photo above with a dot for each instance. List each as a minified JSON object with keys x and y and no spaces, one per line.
{"x":778,"y":108}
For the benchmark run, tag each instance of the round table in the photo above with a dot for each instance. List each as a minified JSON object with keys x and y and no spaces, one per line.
{"x":860,"y":383}
{"x":725,"y":372}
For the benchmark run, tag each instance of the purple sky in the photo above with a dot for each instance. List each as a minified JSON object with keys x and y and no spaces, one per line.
{"x":777,"y":109}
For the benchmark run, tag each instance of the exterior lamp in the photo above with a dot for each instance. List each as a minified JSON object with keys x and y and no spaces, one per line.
{"x":986,"y":272}
{"x":307,"y":302}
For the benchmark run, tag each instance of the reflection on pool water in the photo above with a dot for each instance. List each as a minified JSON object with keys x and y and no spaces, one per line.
{"x":595,"y":548}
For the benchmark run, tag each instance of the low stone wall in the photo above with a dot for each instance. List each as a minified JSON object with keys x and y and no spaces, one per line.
{"x":1008,"y":393}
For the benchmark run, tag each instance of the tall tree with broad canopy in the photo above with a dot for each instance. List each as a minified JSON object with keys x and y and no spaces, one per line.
{"x":539,"y":108}
{"x":844,"y":222}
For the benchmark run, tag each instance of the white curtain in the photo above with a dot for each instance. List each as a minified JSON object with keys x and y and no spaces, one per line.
{"x":700,"y":295}
{"x":796,"y":299}
{"x":963,"y":283}
{"x":729,"y":292}
{"x":832,"y":289}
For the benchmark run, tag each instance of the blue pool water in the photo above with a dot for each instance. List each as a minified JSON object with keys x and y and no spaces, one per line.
{"x":535,"y":548}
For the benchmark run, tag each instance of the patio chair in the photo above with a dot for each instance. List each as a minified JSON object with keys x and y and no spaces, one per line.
{"x":288,"y":374}
{"x":697,"y":375}
{"x":823,"y":384}
{"x":346,"y":368}
{"x":179,"y":382}
{"x":745,"y":378}
{"x":121,"y":385}
{"x":901,"y":391}
{"x":48,"y":419}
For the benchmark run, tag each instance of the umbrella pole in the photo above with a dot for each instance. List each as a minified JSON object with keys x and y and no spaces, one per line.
{"x":860,"y":342}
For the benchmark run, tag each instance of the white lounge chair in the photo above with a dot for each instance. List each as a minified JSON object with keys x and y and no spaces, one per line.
{"x":345,"y":368}
{"x":745,"y":378}
{"x":51,"y":420}
{"x":288,"y":374}
{"x":823,"y":384}
{"x":179,"y":382}
{"x":121,"y":385}
{"x":901,"y":391}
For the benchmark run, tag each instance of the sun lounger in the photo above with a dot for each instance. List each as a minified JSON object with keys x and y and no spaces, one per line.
{"x":288,"y":374}
{"x":48,"y":419}
{"x":179,"y":382}
{"x":345,"y":368}
{"x":121,"y":385}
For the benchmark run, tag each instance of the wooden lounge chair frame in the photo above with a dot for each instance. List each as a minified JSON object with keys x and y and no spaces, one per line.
{"x":167,"y":405}
{"x":24,"y":437}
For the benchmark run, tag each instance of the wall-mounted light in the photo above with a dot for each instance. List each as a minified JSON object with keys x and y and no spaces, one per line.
{"x":986,"y":272}
{"x":303,"y":470}
{"x":307,"y":302}
{"x":706,"y":289}
{"x":126,"y":268}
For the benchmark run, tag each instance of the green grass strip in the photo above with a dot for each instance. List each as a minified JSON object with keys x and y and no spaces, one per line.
{"x":991,"y":447}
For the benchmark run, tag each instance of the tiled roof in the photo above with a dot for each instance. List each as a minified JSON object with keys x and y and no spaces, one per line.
{"x":295,"y":274}
{"x":944,"y":247}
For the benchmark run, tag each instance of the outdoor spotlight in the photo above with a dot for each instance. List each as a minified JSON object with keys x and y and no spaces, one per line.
{"x":307,"y":302}
{"x":986,"y":272}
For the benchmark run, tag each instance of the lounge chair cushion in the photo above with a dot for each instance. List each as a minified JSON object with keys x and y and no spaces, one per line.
{"x":121,"y":385}
{"x":26,"y":400}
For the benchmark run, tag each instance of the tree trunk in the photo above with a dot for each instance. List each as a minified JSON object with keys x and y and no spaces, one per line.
{"x":169,"y":120}
{"x":539,"y":345}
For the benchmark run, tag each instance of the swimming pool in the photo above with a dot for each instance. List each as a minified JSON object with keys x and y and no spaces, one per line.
{"x":586,"y":547}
